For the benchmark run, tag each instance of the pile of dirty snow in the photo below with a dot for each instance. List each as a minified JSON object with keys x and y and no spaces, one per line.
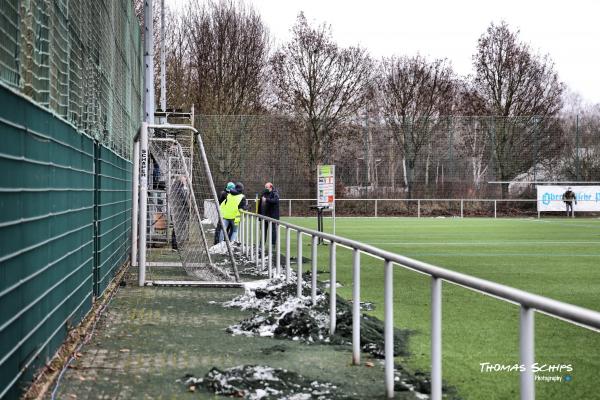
{"x":262,"y":382}
{"x":279,"y":313}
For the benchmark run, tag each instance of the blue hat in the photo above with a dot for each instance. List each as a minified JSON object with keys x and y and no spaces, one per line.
{"x":230,"y":186}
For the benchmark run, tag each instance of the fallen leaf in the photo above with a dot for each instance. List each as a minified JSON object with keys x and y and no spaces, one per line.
{"x":369,"y":364}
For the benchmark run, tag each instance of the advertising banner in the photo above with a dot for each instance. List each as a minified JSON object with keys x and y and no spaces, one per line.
{"x":550,"y":198}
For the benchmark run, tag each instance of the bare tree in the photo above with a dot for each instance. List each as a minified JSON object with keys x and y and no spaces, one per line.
{"x":414,"y":91}
{"x":229,"y":48}
{"x":515,"y":82}
{"x":320,"y":82}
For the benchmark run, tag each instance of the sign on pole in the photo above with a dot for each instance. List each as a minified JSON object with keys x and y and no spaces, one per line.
{"x":326,"y":189}
{"x":326,"y":186}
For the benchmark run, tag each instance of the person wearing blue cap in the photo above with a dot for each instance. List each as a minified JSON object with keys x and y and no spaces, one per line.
{"x":222,"y":197}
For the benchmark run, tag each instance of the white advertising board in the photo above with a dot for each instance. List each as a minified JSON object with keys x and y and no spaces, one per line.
{"x":549,"y":198}
{"x":326,"y":186}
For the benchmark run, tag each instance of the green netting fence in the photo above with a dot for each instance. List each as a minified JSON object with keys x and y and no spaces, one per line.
{"x":71,"y":101}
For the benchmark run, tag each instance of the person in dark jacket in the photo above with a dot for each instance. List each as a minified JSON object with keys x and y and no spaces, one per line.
{"x":180,"y":199}
{"x":269,"y":206}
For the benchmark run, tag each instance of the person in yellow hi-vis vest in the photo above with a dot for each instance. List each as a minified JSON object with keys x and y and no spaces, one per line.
{"x":230,"y":211}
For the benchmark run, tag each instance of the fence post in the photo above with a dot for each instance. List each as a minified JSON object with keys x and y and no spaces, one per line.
{"x":135,"y":202}
{"x":143,"y":208}
{"x":419,"y":208}
{"x":287,"y":254}
{"x":375,"y":208}
{"x":526,"y":350}
{"x":241,"y":232}
{"x":461,"y":208}
{"x":270,"y":239}
{"x":278,"y":241}
{"x":436,"y":338}
{"x":355,"y":307}
{"x":257,"y":235}
{"x":495,"y":208}
{"x":251,"y":229}
{"x":313,"y":281}
{"x":263,"y":250}
{"x":332,"y":288}
{"x":299,"y":264}
{"x":290,"y":208}
{"x":389,"y":328}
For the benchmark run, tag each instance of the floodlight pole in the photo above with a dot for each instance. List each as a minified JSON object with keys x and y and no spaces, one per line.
{"x":163,"y":63}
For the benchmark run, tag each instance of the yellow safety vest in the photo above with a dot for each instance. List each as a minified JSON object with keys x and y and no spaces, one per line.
{"x":229,"y":207}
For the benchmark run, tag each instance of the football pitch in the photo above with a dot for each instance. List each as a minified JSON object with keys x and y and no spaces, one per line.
{"x":555,"y":257}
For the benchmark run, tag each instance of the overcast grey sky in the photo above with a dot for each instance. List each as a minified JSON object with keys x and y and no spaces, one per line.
{"x":567,"y":30}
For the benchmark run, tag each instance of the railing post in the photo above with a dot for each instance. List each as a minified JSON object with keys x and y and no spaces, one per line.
{"x":270,"y":239}
{"x":526,"y":350}
{"x":461,"y":208}
{"x":436,"y":338}
{"x":250,"y":250}
{"x":263,"y":250}
{"x":289,"y":208}
{"x":278,"y":241}
{"x":495,"y":208}
{"x":389,"y":328}
{"x":376,"y":208}
{"x":257,"y":235}
{"x":313,"y":277}
{"x":241,"y":232}
{"x":419,"y":208}
{"x":287,"y":254}
{"x":355,"y":307}
{"x":332,"y":288}
{"x":299,"y":264}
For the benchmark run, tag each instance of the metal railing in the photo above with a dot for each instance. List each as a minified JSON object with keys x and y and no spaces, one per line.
{"x":461,"y":209}
{"x":252,"y":234}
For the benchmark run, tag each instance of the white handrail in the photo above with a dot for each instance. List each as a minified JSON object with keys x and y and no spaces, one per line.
{"x":528,"y":302}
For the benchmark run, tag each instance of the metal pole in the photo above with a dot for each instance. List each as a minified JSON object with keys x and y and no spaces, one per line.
{"x":389,"y":329}
{"x":278,"y":241}
{"x":257,"y":236}
{"x":313,"y":281}
{"x":461,"y":208}
{"x":418,"y":208}
{"x":526,"y":342}
{"x":299,"y":263}
{"x":436,"y":338}
{"x":356,"y":307}
{"x":270,"y":239}
{"x":143,"y":210}
{"x":148,"y":63}
{"x":163,"y":64}
{"x":148,"y":119}
{"x":263,"y":251}
{"x":289,"y":208}
{"x":250,"y":250}
{"x":135,"y":203}
{"x":332,"y":288}
{"x":375,"y":208}
{"x":287,"y":254}
{"x":495,"y":208}
{"x":577,"y":164}
{"x":241,"y":232}
{"x":211,"y":185}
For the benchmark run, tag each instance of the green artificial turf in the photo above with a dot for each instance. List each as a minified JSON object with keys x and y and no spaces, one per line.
{"x":557,"y":258}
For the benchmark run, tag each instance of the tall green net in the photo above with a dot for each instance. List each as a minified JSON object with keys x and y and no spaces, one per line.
{"x":81,"y":59}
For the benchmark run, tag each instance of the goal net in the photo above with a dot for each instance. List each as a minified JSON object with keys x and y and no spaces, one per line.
{"x":182,"y":214}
